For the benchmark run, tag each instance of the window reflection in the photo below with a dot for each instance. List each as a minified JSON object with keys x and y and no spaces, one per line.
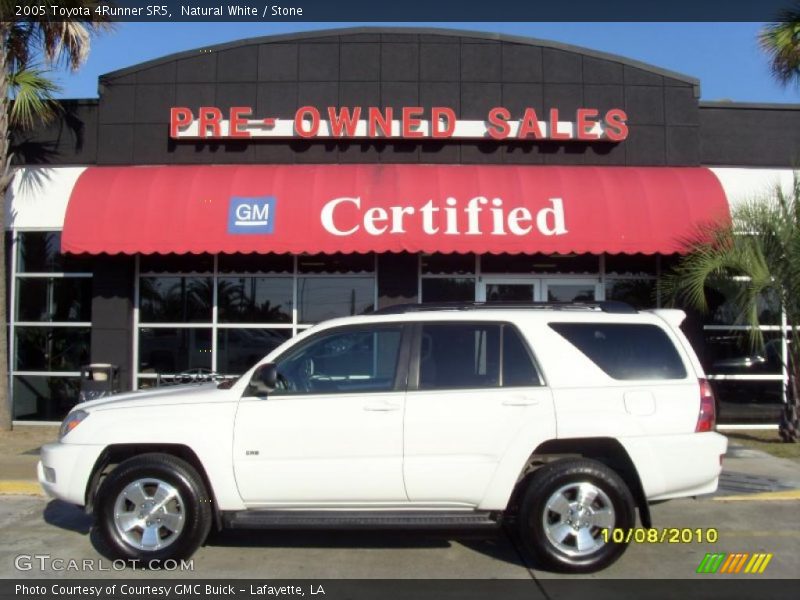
{"x":51,"y":348}
{"x":723,"y":305}
{"x":733,"y":352}
{"x":322,"y":298}
{"x":173,"y":350}
{"x":54,"y":299}
{"x":566,"y":292}
{"x":455,"y":289}
{"x":40,"y":252}
{"x":175,"y":299}
{"x":254,"y":299}
{"x":639,"y":293}
{"x":240,"y":349}
{"x":41,"y":398}
{"x":748,"y":401}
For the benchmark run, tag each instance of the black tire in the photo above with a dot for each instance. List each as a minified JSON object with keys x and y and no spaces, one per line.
{"x":543,"y":486}
{"x":194,"y":506}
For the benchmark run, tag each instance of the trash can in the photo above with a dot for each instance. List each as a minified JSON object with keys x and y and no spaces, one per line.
{"x":98,"y":380}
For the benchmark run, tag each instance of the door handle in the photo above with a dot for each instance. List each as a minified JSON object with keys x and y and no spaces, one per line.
{"x":520,"y":402}
{"x":381,"y":407}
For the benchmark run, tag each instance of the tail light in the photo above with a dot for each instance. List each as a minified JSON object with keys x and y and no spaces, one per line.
{"x":707,"y":418}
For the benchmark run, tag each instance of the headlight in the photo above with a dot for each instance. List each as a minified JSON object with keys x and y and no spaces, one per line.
{"x":71,"y":422}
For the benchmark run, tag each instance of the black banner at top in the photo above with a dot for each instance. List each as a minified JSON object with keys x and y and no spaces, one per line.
{"x":266,"y":11}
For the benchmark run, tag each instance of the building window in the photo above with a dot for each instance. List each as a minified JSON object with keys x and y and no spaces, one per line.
{"x":447,"y":277}
{"x":632,"y":278}
{"x":748,"y":382}
{"x":221,"y":314}
{"x":50,"y":325}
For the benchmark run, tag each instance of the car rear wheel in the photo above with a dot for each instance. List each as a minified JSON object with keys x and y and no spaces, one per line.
{"x":569,"y":512}
{"x":152,"y":508}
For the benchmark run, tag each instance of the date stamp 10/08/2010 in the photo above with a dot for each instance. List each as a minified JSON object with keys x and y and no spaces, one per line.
{"x":665,"y":535}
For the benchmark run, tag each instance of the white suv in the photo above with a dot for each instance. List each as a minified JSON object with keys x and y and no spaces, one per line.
{"x":560,"y":420}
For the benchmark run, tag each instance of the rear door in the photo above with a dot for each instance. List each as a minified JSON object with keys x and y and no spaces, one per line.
{"x":473,"y":387}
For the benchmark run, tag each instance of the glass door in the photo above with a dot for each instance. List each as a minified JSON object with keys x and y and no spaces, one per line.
{"x":571,"y":290}
{"x":525,"y":289}
{"x":508,"y":289}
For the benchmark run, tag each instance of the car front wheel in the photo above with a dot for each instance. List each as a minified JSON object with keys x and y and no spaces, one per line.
{"x":152,"y":508}
{"x":569,"y":512}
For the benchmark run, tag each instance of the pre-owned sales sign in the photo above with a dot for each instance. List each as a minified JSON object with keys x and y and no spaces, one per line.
{"x":409,"y":122}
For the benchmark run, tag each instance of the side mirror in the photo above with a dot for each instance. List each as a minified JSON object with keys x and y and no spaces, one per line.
{"x":265,"y":378}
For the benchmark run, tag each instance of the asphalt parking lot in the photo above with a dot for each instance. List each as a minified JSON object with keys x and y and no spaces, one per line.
{"x":35,"y":527}
{"x":754,"y":511}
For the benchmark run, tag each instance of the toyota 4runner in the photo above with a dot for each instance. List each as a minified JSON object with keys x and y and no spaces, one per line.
{"x":558,"y":420}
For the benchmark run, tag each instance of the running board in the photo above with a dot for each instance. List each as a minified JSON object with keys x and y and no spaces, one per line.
{"x":358,"y":519}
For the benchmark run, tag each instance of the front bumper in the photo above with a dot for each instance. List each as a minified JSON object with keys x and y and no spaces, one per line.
{"x":64,"y":470}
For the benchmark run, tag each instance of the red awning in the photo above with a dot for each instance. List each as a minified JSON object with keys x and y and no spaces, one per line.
{"x":389,"y":208}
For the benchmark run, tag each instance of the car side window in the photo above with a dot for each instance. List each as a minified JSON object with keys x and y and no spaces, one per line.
{"x":351,"y":360}
{"x":518,"y":369}
{"x":459,"y":355}
{"x":474,"y":355}
{"x":625,"y":351}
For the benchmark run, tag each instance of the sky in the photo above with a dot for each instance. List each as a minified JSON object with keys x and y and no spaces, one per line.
{"x":725,"y":57}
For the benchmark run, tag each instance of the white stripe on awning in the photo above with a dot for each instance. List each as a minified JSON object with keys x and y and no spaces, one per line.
{"x":37,"y":197}
{"x":745,"y":185}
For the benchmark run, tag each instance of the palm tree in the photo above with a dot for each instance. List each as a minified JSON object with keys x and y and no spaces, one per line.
{"x":781,"y":41}
{"x":26,"y":100}
{"x":761,"y":247}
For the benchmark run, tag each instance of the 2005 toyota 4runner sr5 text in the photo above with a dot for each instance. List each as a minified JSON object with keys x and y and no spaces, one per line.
{"x":560,"y":421}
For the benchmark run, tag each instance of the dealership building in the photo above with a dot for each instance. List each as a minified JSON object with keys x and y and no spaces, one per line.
{"x":211,"y":204}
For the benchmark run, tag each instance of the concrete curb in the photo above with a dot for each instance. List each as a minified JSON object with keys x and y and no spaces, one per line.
{"x":20,"y":487}
{"x":779,"y":495}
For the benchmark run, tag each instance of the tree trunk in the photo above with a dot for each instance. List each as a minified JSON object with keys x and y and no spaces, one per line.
{"x":6,"y":409}
{"x":789,"y":428}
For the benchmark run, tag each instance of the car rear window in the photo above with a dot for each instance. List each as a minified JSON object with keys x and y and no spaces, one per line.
{"x":625,"y":350}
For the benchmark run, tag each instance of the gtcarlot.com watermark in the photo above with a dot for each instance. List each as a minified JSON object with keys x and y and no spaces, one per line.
{"x":47,"y":562}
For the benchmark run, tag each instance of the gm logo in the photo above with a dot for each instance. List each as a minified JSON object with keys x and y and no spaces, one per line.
{"x":251,"y":215}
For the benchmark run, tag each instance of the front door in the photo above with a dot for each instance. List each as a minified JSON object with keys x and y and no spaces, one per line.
{"x":332,"y":433}
{"x":539,"y":289}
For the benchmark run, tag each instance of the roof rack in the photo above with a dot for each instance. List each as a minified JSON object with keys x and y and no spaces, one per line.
{"x":607,"y":306}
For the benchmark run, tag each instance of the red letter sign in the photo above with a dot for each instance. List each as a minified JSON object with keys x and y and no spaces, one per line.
{"x":616,"y":128}
{"x":239,"y":116}
{"x":437,"y":112}
{"x":343,"y":121}
{"x":584,"y":124}
{"x":498,"y":123}
{"x":179,"y":116}
{"x":412,"y":121}
{"x":210,"y":116}
{"x":299,"y":121}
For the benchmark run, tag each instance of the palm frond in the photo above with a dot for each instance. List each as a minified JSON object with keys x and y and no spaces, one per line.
{"x":781,"y":42}
{"x":33,"y":100}
{"x":67,"y":43}
{"x":756,"y":256}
